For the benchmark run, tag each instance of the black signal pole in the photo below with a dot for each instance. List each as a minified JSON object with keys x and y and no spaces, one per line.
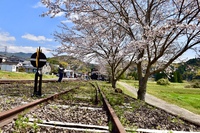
{"x":35,"y":83}
{"x":38,"y":91}
{"x":38,"y":60}
{"x":40,"y":84}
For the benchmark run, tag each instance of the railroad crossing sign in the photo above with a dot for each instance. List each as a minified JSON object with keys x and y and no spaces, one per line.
{"x":38,"y":59}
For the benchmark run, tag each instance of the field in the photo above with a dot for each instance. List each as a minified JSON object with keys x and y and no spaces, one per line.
{"x":175,"y":93}
{"x":21,"y":75}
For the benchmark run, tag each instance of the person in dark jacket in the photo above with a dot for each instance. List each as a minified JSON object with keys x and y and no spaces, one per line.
{"x":60,"y":72}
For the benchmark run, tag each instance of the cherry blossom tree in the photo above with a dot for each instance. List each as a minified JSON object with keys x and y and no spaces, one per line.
{"x":108,"y":44}
{"x":158,"y":31}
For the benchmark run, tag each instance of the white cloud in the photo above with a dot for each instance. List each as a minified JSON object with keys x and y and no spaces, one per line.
{"x":38,"y":5}
{"x":60,"y":14}
{"x":26,"y":49}
{"x":7,"y":42}
{"x":5,"y":37}
{"x":36,"y":38}
{"x":66,"y":21}
{"x":73,"y":16}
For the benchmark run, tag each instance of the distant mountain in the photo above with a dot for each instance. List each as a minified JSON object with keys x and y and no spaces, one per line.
{"x":190,"y":69}
{"x":194,"y":62}
{"x":72,"y":63}
{"x":20,"y":54}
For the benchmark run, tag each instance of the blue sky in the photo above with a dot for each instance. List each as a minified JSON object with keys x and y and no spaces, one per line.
{"x":22,"y":29}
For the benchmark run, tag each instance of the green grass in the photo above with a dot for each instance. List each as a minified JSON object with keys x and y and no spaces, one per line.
{"x":21,"y":75}
{"x":175,"y":93}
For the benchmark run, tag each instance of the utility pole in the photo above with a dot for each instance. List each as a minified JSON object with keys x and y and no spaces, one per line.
{"x":6,"y":50}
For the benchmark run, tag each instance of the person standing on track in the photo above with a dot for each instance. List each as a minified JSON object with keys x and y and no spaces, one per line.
{"x":60,"y":72}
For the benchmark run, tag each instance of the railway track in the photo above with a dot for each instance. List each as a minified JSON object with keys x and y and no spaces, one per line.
{"x":26,"y":81}
{"x":67,"y":111}
{"x":80,"y":107}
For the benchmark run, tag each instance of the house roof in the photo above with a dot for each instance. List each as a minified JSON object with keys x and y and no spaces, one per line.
{"x":9,"y":63}
{"x":15,"y":59}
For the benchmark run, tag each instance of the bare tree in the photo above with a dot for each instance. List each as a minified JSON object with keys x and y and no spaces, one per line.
{"x":162,"y":30}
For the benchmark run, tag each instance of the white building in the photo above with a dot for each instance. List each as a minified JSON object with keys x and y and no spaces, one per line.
{"x":69,"y":73}
{"x":46,"y":69}
{"x":9,"y":66}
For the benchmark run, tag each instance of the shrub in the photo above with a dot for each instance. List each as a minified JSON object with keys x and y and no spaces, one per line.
{"x":130,"y":78}
{"x":188,"y":86}
{"x":196,"y":85}
{"x":163,"y":81}
{"x":21,"y":69}
{"x":160,"y":76}
{"x":123,"y":76}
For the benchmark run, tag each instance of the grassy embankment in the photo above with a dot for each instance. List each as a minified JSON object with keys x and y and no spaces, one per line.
{"x":175,"y":93}
{"x":21,"y":75}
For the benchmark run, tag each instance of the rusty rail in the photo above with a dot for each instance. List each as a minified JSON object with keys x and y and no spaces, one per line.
{"x":13,"y":112}
{"x":117,"y":127}
{"x":24,"y":81}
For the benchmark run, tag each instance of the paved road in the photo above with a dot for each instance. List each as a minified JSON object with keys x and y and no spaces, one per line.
{"x":173,"y":109}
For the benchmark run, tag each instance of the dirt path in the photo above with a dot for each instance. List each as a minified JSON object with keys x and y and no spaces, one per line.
{"x":173,"y":109}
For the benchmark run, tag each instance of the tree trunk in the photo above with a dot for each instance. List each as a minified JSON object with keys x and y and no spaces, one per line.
{"x":142,"y":88}
{"x":114,"y":84}
{"x":113,"y":79}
